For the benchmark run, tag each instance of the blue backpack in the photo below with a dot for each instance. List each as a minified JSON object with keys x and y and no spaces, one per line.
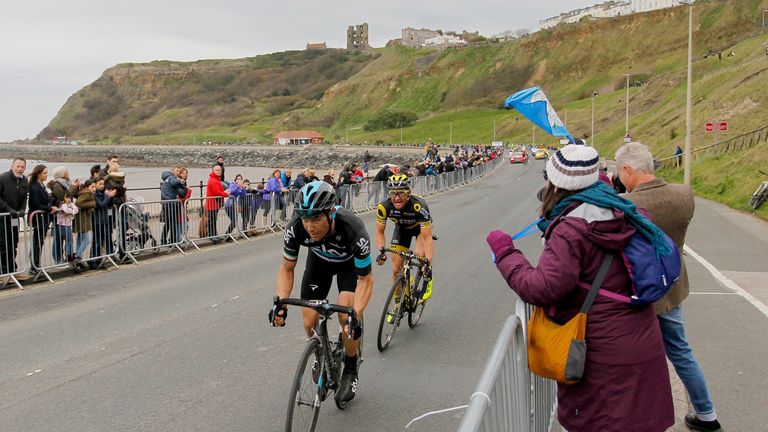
{"x":651,"y":276}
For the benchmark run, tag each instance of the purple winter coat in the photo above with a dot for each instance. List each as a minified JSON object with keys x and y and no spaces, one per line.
{"x":626,"y":384}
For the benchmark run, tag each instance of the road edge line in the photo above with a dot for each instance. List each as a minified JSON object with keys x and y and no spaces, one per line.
{"x":727,"y":282}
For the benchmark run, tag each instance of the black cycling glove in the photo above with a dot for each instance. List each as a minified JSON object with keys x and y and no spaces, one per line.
{"x":274,"y":311}
{"x":382,"y":256}
{"x":355,"y":328}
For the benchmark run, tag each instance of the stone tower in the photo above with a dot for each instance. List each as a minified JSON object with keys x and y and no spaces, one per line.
{"x":357,"y":36}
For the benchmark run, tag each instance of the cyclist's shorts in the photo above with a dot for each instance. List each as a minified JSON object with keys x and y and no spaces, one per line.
{"x":318,"y":275}
{"x":401,"y":237}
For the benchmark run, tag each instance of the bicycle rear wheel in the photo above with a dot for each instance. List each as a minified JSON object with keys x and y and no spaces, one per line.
{"x":416,"y":309}
{"x":390,"y":316}
{"x":306,"y":391}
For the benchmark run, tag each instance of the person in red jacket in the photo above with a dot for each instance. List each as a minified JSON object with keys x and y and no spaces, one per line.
{"x":214,"y":197}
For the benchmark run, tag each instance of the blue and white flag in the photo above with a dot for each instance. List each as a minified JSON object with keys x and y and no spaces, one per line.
{"x":533,"y":104}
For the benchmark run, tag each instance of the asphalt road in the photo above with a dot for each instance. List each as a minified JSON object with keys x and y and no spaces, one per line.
{"x":183,"y":344}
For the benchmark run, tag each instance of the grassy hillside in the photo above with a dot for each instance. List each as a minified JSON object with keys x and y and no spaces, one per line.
{"x":457,"y":94}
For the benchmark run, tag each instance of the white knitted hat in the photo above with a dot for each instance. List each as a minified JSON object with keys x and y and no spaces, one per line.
{"x":573,"y":167}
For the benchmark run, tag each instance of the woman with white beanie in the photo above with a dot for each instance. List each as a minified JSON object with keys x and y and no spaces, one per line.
{"x":625,"y":384}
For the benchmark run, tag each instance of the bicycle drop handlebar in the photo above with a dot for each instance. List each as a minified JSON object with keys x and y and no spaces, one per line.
{"x":410,"y":255}
{"x":322,"y":306}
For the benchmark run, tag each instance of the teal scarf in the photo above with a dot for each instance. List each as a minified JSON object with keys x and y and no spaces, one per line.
{"x":602,"y":195}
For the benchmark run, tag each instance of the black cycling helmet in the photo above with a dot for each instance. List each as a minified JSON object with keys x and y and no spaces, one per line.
{"x":314,"y":198}
{"x":399,"y":182}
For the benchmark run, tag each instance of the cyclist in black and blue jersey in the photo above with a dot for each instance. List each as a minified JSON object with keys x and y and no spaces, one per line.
{"x":339,"y":246}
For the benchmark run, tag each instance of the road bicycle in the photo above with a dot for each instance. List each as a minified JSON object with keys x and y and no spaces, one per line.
{"x":403,"y":298}
{"x":318,"y":373}
{"x":760,"y":194}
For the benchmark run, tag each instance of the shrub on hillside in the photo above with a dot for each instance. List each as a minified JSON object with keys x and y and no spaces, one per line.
{"x":386,"y":119}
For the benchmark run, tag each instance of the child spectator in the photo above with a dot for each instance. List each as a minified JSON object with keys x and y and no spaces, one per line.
{"x":64,"y":217}
{"x":83,"y":225}
{"x":102,"y":228}
{"x":235,"y":192}
{"x":115,"y":179}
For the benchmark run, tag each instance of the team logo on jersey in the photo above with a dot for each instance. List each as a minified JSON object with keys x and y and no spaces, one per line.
{"x":328,"y":251}
{"x":312,"y":287}
{"x":416,"y":207}
{"x":364,"y":245}
{"x":288,"y":234}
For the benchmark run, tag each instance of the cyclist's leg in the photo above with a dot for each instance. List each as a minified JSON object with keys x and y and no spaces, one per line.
{"x":346,"y":280}
{"x":401,"y":241}
{"x":315,"y":285}
{"x":427,"y":283}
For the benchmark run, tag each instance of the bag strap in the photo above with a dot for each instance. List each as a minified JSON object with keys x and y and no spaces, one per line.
{"x":601,"y":273}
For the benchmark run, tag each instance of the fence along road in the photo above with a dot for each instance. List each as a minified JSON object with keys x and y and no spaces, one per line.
{"x":182,"y":343}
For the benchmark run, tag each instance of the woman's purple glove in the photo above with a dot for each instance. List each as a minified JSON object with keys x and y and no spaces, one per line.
{"x":500,"y":242}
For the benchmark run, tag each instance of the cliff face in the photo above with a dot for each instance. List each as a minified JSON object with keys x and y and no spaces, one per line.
{"x":163,"y":97}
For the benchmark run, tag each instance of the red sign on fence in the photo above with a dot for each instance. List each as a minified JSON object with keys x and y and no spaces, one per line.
{"x":716,"y":126}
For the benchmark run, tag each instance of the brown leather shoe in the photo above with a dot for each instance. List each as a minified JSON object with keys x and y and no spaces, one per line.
{"x":22,"y":277}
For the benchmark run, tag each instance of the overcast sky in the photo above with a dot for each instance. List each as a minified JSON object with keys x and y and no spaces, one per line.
{"x":52,"y":48}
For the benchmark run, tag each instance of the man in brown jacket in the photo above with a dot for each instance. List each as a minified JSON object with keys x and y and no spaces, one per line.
{"x":671,"y":207}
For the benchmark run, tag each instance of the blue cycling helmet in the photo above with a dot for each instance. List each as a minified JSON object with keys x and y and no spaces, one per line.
{"x":314,"y":198}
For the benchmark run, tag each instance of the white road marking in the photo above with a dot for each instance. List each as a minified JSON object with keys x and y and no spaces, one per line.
{"x":727,"y":282}
{"x":214,"y":305}
{"x":234,"y":298}
{"x":712,"y":293}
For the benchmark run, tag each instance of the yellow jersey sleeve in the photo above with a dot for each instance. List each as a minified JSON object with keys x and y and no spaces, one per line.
{"x":381,"y":214}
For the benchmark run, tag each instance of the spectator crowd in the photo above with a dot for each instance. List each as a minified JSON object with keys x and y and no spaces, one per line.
{"x":75,"y":222}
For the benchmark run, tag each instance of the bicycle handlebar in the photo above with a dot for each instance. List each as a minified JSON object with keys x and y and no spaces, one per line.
{"x":410,"y":255}
{"x":322,"y":306}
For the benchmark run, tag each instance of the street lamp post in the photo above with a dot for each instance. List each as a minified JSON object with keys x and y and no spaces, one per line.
{"x":626,"y":127}
{"x":450,"y":133}
{"x":592,"y":134}
{"x":688,"y":104}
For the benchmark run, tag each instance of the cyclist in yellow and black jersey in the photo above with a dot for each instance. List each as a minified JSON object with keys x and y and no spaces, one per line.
{"x":411,"y":216}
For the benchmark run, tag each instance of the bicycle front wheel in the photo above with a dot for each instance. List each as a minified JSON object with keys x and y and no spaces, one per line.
{"x":306,"y":391}
{"x":390,"y":316}
{"x":414,"y":313}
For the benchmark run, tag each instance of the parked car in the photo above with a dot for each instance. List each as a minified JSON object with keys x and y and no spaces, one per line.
{"x":540,"y":154}
{"x":518,"y":157}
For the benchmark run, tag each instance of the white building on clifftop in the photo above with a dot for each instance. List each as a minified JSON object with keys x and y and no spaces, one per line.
{"x":609,"y":9}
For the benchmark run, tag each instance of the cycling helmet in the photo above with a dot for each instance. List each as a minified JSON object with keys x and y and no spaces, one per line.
{"x":314,"y":198}
{"x":399,"y":182}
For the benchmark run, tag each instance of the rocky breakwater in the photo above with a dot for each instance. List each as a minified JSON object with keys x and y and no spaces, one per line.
{"x":314,"y":156}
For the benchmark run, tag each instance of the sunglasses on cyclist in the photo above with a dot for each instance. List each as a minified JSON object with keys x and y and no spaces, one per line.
{"x":401,"y":193}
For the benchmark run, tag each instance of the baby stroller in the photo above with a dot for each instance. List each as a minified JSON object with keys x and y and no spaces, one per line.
{"x":136,"y":226}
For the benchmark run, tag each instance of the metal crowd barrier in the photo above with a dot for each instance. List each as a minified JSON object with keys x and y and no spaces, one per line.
{"x":543,"y":391}
{"x":12,"y":247}
{"x":253,"y":213}
{"x":149,"y":226}
{"x":501,"y":401}
{"x":208,"y":219}
{"x":509,"y":397}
